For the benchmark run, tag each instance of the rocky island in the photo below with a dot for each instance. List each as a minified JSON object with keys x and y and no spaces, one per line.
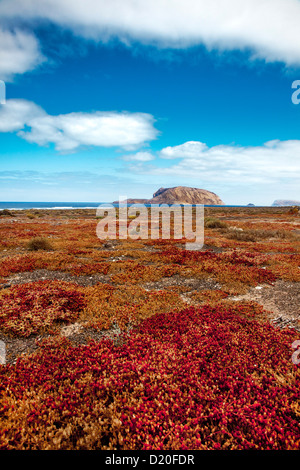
{"x":285,"y":202}
{"x":180,"y":195}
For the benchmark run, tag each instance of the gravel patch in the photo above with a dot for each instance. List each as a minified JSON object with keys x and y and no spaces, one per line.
{"x":45,"y":274}
{"x":191,"y":284}
{"x":281,"y":301}
{"x":13,"y":347}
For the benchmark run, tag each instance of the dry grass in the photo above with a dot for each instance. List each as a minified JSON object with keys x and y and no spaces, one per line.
{"x":213,"y":222}
{"x":252,"y":235}
{"x":39,"y":243}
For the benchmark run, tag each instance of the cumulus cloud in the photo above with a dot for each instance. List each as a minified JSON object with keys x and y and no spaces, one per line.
{"x":15,"y":114}
{"x":70,"y":131}
{"x":139,"y":157}
{"x":269,"y":28}
{"x":188,"y":149}
{"x":19,"y":53}
{"x":271,"y":163}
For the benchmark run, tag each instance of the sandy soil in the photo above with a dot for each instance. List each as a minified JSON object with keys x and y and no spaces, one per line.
{"x":45,"y":274}
{"x":281,"y":301}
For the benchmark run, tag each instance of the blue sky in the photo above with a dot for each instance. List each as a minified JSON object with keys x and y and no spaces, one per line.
{"x":101,"y":105}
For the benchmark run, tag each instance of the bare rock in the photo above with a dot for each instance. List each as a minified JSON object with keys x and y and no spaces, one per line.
{"x":181,"y":195}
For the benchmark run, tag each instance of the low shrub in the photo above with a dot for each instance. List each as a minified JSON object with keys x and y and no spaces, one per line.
{"x":30,"y":215}
{"x":245,"y":236}
{"x":212,"y":222}
{"x":7,"y":213}
{"x":254,"y":235}
{"x":39,"y":243}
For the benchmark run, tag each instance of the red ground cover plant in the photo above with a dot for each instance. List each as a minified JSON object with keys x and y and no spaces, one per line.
{"x":16,"y":264}
{"x":69,"y":262}
{"x":286,"y":266}
{"x":29,"y":308}
{"x":125,"y":305}
{"x":201,"y":378}
{"x":214,"y":376}
{"x":235,"y":270}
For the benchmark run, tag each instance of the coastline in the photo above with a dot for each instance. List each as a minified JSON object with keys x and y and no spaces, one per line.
{"x":77,"y":205}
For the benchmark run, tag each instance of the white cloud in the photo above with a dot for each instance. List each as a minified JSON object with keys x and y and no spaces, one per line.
{"x":139,"y":157}
{"x":19,"y":53}
{"x":16,"y":113}
{"x":188,"y":149}
{"x":269,"y":28}
{"x":70,"y":131}
{"x":272,"y":163}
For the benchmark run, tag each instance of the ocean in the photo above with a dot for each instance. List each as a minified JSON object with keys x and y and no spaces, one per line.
{"x":49,"y":205}
{"x":72,"y":205}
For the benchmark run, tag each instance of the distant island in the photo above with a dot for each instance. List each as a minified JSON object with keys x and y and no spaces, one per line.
{"x":179,"y":195}
{"x":285,"y":202}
